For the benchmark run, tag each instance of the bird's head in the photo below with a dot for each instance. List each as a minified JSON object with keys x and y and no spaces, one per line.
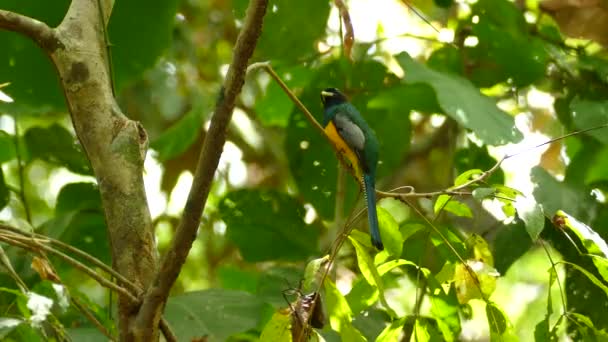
{"x":331,"y":97}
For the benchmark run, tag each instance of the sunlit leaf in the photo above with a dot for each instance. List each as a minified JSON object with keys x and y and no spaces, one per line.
{"x":467,"y":176}
{"x":467,"y":287}
{"x":339,"y":313}
{"x":392,"y":331}
{"x":389,"y":230}
{"x":452,"y":205}
{"x":501,"y":328}
{"x":532,"y":215}
{"x":277,"y":329}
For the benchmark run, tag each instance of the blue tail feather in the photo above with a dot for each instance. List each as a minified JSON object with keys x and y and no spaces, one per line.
{"x":372,"y":216}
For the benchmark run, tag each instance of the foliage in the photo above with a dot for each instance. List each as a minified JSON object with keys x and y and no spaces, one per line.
{"x":445,"y":113}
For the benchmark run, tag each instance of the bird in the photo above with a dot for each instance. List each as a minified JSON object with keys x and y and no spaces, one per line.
{"x":358,"y":146}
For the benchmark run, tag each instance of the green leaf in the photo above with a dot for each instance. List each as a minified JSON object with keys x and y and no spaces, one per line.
{"x":532,"y":215}
{"x":389,"y":229}
{"x":235,"y":278}
{"x":277,"y":329}
{"x":598,"y":283}
{"x":505,"y":50}
{"x":273,"y":281}
{"x":445,"y":309}
{"x":597,"y":171}
{"x":480,"y":284}
{"x":5,"y":195}
{"x":392,"y":331}
{"x":587,"y":114}
{"x":133,"y":52}
{"x":481,"y":193}
{"x":267,"y":225}
{"x":181,"y":135}
{"x":216,"y":313}
{"x":464,"y":103}
{"x":85,"y":230}
{"x":467,"y":176}
{"x":274,"y":108}
{"x":340,"y":314}
{"x":587,"y":329}
{"x":34,"y":82}
{"x":593,"y":244}
{"x":370,"y":272}
{"x":500,"y":326}
{"x":512,"y":241}
{"x":56,"y":145}
{"x":78,"y":196}
{"x":291,"y":29}
{"x":8,"y":324}
{"x":7,"y":147}
{"x":406,"y":97}
{"x":313,"y":274}
{"x":448,"y":203}
{"x":554,"y":195}
{"x":425,"y":331}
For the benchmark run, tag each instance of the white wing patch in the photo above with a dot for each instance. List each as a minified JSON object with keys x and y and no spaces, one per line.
{"x":350,"y":132}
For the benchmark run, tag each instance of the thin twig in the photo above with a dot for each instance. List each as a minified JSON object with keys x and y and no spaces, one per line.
{"x":92,"y":318}
{"x":6,"y":262}
{"x":348,"y":39}
{"x":34,"y":246}
{"x":175,"y":257}
{"x":76,"y":252}
{"x":20,"y":168}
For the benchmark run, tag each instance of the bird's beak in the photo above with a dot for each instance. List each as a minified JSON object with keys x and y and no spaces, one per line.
{"x":326,"y":93}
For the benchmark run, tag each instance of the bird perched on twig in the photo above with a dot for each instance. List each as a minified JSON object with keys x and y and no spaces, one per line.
{"x":358,"y":146}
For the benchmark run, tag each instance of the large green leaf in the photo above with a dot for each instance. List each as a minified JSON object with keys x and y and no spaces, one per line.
{"x":135,"y":50}
{"x":275,"y":107}
{"x":34,"y":82}
{"x":177,"y":138}
{"x":78,"y":196}
{"x":79,"y":220}
{"x":501,"y":328}
{"x":505,"y":51}
{"x":56,"y":145}
{"x":511,"y":242}
{"x":339,"y":313}
{"x":291,"y":29}
{"x":587,"y":114}
{"x":215,"y":313}
{"x":459,"y":99}
{"x":268,"y":225}
{"x":554,"y":195}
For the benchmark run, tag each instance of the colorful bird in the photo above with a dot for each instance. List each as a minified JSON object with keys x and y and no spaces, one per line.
{"x":358,"y":145}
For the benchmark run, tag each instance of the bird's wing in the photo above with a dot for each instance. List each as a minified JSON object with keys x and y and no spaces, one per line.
{"x":351,"y":133}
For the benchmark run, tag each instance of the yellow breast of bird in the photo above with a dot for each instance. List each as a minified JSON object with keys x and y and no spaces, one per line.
{"x":345,"y":152}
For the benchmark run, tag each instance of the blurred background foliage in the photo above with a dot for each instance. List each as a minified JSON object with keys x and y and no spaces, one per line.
{"x":476,"y":81}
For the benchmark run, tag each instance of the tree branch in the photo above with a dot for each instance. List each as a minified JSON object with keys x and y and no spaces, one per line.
{"x":174,"y":259}
{"x":36,"y":30}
